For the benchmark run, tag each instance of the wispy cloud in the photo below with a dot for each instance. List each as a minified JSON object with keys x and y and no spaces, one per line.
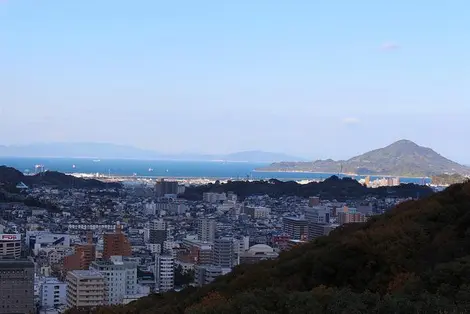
{"x":389,"y":46}
{"x":351,"y":120}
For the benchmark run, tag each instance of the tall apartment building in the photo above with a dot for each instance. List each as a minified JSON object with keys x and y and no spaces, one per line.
{"x":120,"y":278}
{"x":53,"y":293}
{"x":83,"y":256}
{"x":222,"y":254}
{"x":206,"y":229}
{"x":205,"y":274}
{"x":16,"y":286}
{"x":116,"y":244}
{"x":10,"y":246}
{"x":257,"y":212}
{"x":318,"y":219}
{"x":164,"y":273}
{"x":296,"y":228}
{"x":350,"y":217}
{"x":85,"y":288}
{"x":157,"y":233}
{"x":163,"y":188}
{"x":211,"y":197}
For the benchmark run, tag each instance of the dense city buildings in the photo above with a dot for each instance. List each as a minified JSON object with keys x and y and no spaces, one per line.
{"x":106,"y":246}
{"x":16,"y":286}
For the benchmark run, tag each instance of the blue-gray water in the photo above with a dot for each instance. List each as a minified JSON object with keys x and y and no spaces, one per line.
{"x":163,"y":168}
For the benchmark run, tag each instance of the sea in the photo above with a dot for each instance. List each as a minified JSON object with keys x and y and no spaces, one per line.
{"x":168,"y":169}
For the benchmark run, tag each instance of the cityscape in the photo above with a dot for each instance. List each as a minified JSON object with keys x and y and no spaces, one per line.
{"x":114,"y":246}
{"x":234,"y":157}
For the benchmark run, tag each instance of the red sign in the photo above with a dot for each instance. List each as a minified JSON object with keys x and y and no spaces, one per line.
{"x":11,"y":237}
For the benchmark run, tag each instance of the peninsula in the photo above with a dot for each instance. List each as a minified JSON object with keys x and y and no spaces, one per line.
{"x":402,"y":158}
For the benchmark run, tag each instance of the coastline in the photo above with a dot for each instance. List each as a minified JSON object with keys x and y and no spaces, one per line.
{"x":344,"y":174}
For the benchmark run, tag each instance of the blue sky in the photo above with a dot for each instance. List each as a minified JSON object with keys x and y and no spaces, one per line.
{"x":316,"y":79}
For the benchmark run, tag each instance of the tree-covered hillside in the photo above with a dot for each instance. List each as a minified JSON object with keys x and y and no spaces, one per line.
{"x":414,"y":259}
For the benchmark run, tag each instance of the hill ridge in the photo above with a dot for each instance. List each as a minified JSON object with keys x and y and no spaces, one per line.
{"x":401,"y":158}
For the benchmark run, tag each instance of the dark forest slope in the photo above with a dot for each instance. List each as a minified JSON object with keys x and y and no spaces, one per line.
{"x":11,"y":176}
{"x":414,"y":259}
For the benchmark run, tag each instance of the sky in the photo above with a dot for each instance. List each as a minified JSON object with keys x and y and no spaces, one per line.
{"x":316,"y":79}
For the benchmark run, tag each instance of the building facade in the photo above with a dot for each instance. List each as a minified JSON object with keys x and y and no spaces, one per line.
{"x":120,"y":278}
{"x":53,"y":293}
{"x":296,"y":228}
{"x":222,"y":254}
{"x":85,"y":289}
{"x":206,"y":230}
{"x":164,"y":273}
{"x":16,"y":287}
{"x":116,"y":244}
{"x":10,"y":246}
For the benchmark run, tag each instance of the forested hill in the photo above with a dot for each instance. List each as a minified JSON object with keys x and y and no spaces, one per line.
{"x":402,"y":158}
{"x":331,"y":188}
{"x":11,"y":177}
{"x":414,"y":259}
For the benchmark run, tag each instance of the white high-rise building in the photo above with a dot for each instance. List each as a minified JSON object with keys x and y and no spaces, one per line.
{"x":164,"y":273}
{"x":52,"y":293}
{"x":206,"y":229}
{"x":120,"y":278}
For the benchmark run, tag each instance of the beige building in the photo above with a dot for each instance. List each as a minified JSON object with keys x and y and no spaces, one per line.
{"x":85,"y":288}
{"x":10,"y":245}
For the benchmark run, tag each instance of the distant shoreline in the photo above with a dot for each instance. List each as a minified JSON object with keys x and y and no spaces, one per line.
{"x":344,"y":174}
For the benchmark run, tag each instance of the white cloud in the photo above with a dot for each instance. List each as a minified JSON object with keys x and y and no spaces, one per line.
{"x":389,"y":46}
{"x":351,"y":120}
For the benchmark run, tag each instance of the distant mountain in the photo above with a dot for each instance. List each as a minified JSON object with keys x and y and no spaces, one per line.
{"x":402,"y":158}
{"x":106,"y":150}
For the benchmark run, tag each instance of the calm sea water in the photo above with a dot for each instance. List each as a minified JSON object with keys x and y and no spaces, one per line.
{"x":163,"y":168}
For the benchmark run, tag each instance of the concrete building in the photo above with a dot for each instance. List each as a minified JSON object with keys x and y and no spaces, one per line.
{"x":350,"y":215}
{"x":222,"y":254}
{"x":313,"y":201}
{"x":211,"y":197}
{"x":205,"y":274}
{"x":296,"y":228}
{"x":206,"y":229}
{"x":85,"y":288}
{"x":10,"y":246}
{"x":164,"y":273}
{"x":318,"y":219}
{"x":83,"y":256}
{"x":52,"y":293}
{"x":116,"y":244}
{"x":257,"y":212}
{"x":36,"y":240}
{"x":257,"y":253}
{"x":120,"y":278}
{"x":163,"y":188}
{"x":16,"y":287}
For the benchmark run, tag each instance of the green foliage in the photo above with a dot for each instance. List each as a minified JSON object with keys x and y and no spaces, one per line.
{"x":414,"y":259}
{"x":183,"y":278}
